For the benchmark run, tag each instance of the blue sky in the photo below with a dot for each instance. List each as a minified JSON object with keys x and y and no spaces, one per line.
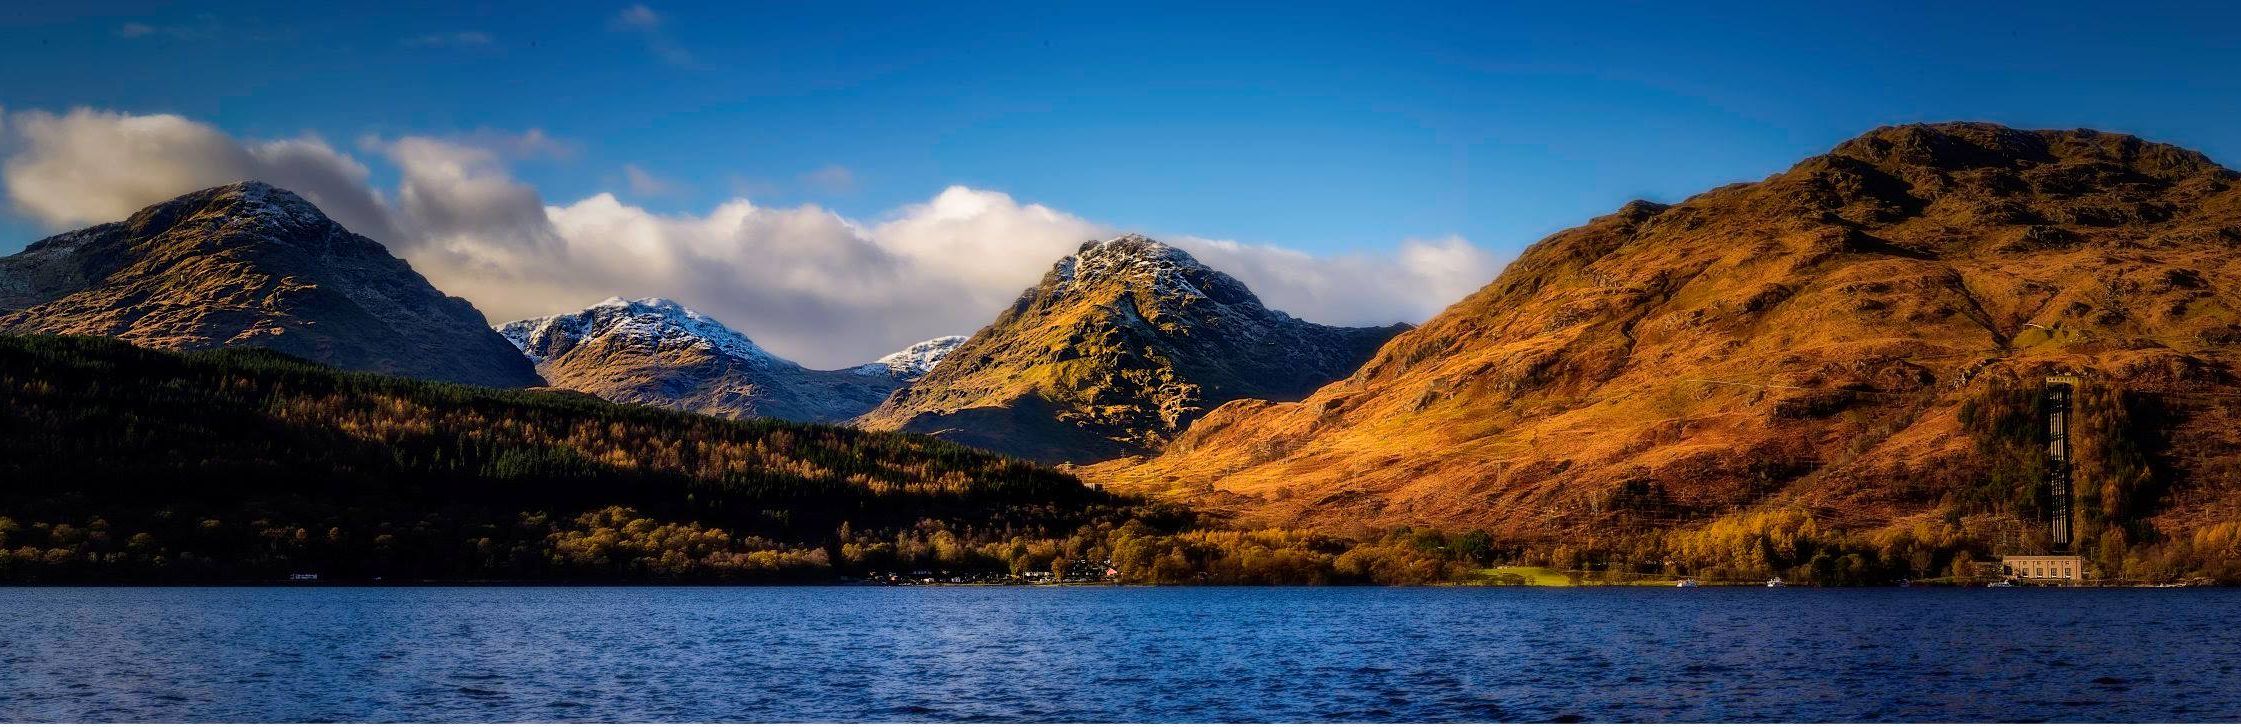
{"x":1320,"y":128}
{"x":1348,"y":154}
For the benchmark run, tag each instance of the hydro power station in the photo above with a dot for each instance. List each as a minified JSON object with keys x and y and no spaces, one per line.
{"x":2061,"y":393}
{"x":2058,"y":565}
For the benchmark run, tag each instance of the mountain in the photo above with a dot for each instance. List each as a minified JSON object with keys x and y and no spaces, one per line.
{"x":129,"y":464}
{"x":1121,"y":345}
{"x":654,"y":351}
{"x":912,"y":363}
{"x":249,"y":264}
{"x":1842,"y":360}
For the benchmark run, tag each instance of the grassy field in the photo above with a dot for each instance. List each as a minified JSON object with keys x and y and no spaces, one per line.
{"x":1523,"y":575}
{"x":1518,"y":575}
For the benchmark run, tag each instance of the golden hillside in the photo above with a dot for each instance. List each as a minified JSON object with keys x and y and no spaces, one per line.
{"x":1839,"y":347}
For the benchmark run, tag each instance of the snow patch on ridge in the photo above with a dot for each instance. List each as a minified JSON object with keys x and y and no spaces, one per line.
{"x":1166,"y":268}
{"x":264,"y":201}
{"x":913,"y":362}
{"x":651,"y":322}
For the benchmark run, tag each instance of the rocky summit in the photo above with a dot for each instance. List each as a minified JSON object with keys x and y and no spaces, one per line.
{"x":250,"y":264}
{"x":655,"y":351}
{"x":1853,"y":348}
{"x":1121,"y":345}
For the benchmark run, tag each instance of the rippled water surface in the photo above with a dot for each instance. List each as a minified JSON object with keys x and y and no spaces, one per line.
{"x":1098,"y":654}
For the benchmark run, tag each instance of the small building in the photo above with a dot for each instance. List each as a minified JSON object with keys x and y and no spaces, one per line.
{"x":2043,"y":568}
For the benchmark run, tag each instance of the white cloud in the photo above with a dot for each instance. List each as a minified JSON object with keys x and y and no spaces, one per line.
{"x":1407,"y":285}
{"x":458,"y":201}
{"x":987,"y":241}
{"x":804,"y":281}
{"x":89,"y":166}
{"x":330,"y":179}
{"x":135,"y":30}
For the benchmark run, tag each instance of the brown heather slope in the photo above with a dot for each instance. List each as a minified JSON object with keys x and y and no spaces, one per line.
{"x":1798,"y":354}
{"x":250,"y":264}
{"x":1121,"y":345}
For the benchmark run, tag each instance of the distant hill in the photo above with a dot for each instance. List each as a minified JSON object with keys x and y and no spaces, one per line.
{"x":916,"y":360}
{"x":656,"y":351}
{"x":1837,"y":367}
{"x":1122,"y":344}
{"x":250,"y":264}
{"x":124,"y":463}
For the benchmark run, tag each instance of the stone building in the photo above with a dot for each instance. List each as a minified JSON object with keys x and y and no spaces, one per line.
{"x":2043,"y":568}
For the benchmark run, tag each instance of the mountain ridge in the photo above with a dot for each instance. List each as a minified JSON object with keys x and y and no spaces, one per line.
{"x":250,"y":264}
{"x":1122,"y":343}
{"x":657,"y":351}
{"x":1818,"y":346}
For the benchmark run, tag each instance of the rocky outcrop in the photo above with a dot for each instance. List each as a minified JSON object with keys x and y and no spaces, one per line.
{"x":1122,"y":344}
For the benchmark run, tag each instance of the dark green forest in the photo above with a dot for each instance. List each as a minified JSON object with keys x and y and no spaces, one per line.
{"x":122,"y":464}
{"x":126,"y":463}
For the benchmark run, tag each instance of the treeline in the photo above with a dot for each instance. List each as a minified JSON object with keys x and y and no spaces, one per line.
{"x":1991,"y":502}
{"x":120,"y":464}
{"x":2118,"y":485}
{"x":123,"y":464}
{"x":126,"y":463}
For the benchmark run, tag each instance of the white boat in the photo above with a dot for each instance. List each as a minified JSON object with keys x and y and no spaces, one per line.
{"x":1686,"y":583}
{"x":2000,"y":584}
{"x":1775,"y":582}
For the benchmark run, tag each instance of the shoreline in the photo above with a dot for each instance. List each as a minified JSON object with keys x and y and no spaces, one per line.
{"x":839,"y":584}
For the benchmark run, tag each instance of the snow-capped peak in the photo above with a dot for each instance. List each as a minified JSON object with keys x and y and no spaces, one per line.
{"x":260,"y":201}
{"x":913,"y":362}
{"x":240,"y":206}
{"x":647,"y":321}
{"x":1128,"y":253}
{"x":1170,"y":272}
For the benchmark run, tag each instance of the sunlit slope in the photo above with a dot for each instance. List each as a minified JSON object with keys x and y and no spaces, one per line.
{"x":1850,"y":344}
{"x":1119,"y":347}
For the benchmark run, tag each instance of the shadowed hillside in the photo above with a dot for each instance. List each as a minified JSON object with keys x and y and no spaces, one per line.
{"x":126,"y":464}
{"x":243,"y":463}
{"x":252,"y":265}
